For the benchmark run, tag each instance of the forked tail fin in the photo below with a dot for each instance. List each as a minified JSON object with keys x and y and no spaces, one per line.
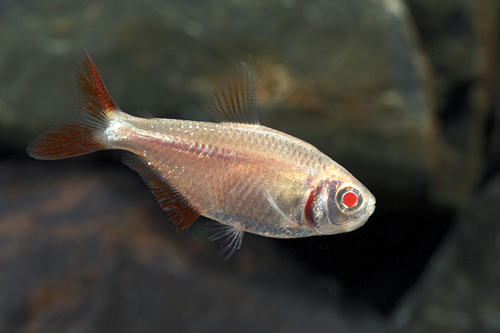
{"x":84,"y":134}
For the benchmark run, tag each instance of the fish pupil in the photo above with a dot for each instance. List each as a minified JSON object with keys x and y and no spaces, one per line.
{"x":350,"y":199}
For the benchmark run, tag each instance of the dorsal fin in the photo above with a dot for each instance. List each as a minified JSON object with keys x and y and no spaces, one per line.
{"x":233,"y":100}
{"x":179,"y":209}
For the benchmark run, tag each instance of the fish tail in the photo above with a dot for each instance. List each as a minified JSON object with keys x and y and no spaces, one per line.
{"x":84,"y":134}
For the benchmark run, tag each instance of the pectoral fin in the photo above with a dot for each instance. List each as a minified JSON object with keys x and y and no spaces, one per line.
{"x":291,"y":224}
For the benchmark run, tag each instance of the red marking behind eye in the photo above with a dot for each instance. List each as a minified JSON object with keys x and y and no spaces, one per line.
{"x":307,"y":210}
{"x":350,"y":199}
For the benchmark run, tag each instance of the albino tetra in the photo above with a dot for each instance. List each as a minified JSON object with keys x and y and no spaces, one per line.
{"x":247,"y":177}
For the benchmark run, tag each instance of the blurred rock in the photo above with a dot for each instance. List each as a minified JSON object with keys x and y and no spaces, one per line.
{"x":460,"y":292}
{"x":346,"y":75}
{"x":87,"y":249}
{"x":461,"y":39}
{"x":449,"y":39}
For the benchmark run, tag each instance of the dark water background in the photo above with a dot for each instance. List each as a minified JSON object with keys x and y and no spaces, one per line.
{"x":404,"y":94}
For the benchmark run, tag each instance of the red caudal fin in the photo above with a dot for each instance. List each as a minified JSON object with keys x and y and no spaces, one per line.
{"x":83,"y":134}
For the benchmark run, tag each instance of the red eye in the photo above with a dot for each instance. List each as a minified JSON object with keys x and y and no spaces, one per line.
{"x":350,"y":199}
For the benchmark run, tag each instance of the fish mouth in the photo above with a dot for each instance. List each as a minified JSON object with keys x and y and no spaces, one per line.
{"x":372,"y":209}
{"x":366,"y":216}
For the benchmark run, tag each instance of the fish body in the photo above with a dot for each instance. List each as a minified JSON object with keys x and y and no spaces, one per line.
{"x":246,"y":176}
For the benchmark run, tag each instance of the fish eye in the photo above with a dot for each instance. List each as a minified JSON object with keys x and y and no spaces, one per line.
{"x":348,"y":199}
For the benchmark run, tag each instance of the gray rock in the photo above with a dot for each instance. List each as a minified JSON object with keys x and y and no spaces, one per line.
{"x":460,"y":292}
{"x":346,"y":75}
{"x":449,"y":39}
{"x":460,"y":37}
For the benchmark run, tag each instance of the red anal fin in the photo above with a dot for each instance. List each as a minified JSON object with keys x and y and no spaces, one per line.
{"x":92,"y":93}
{"x":179,"y":209}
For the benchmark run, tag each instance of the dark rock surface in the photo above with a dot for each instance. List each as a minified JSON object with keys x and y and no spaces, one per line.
{"x":86,"y":249}
{"x":460,"y":291}
{"x":460,"y":39}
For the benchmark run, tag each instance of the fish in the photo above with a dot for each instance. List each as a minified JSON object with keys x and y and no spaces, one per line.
{"x":244,"y":176}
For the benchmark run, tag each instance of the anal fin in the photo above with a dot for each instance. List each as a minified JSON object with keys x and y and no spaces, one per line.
{"x":181,"y":212}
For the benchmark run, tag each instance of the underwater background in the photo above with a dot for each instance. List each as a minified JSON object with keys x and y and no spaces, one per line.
{"x":404,"y":94}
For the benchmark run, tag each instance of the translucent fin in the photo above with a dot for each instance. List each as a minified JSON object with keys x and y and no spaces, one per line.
{"x":291,"y":223}
{"x":231,"y":237}
{"x":179,"y":209}
{"x":145,"y":114}
{"x":82,"y":135}
{"x":233,"y":100}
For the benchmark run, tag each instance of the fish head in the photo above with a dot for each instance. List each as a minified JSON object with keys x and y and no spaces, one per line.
{"x":338,"y":204}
